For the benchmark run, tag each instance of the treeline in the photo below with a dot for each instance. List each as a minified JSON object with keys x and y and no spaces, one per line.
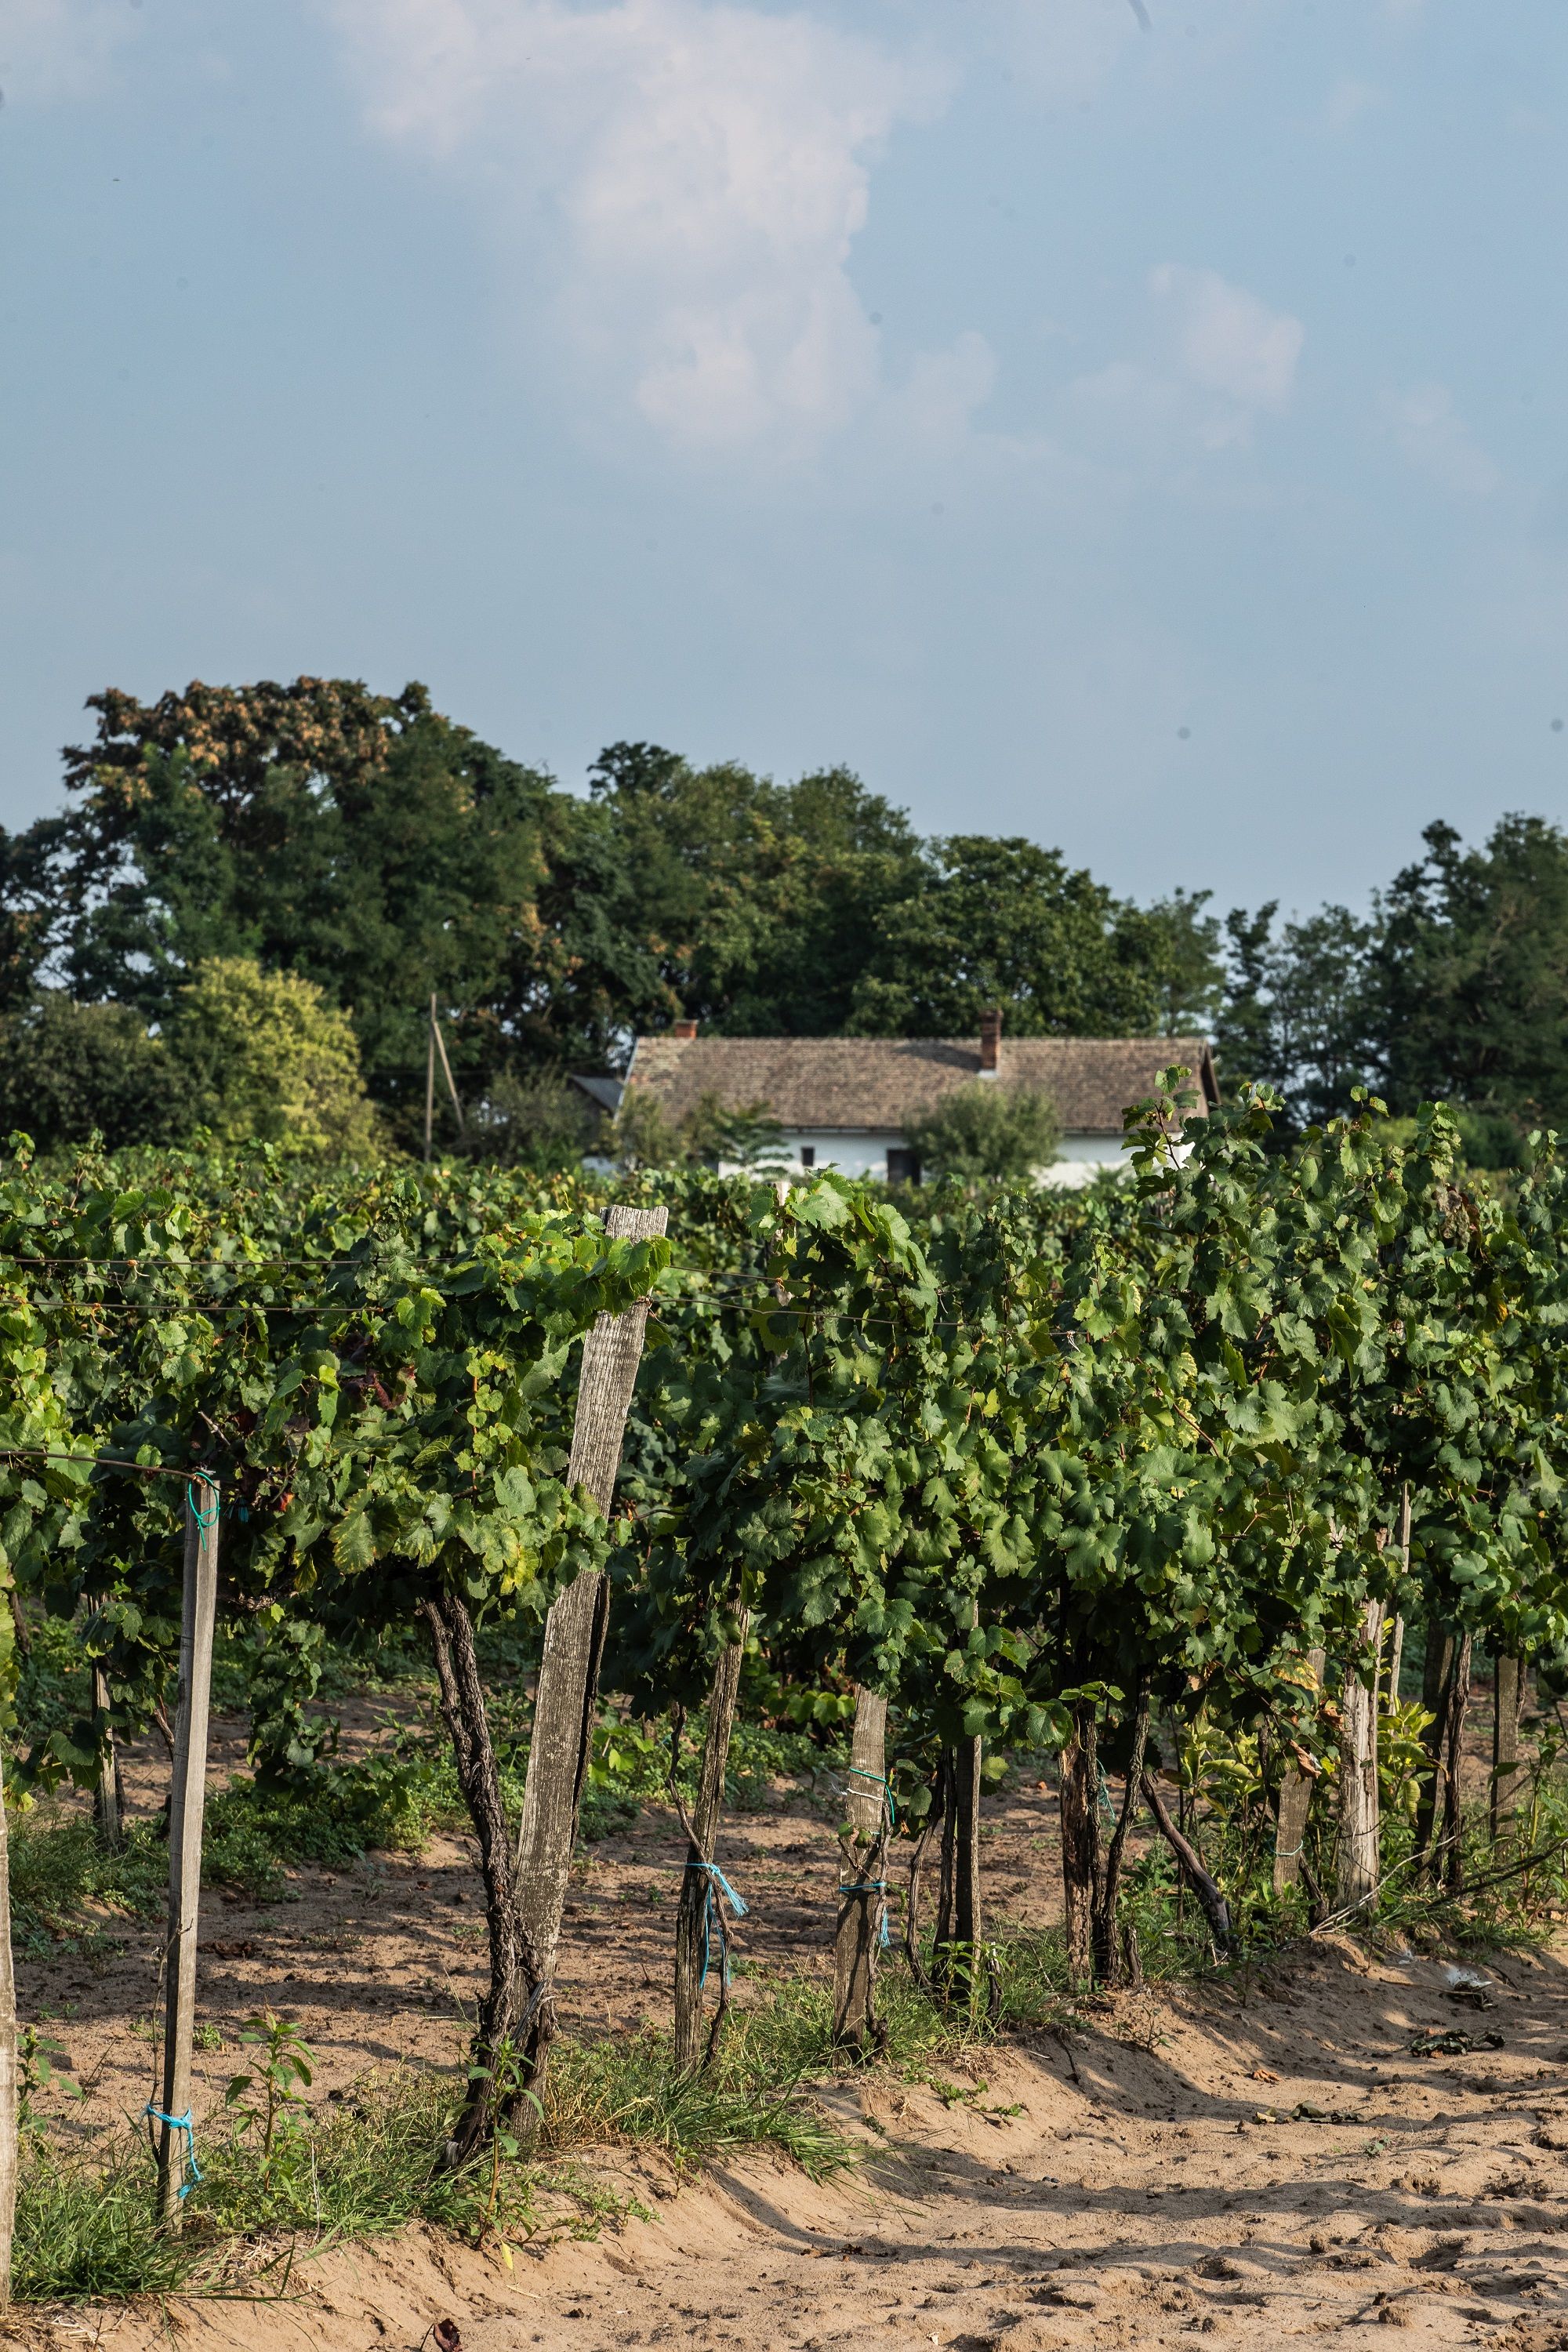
{"x":379,"y":853}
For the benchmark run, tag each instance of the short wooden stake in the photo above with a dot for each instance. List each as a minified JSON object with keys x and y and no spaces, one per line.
{"x":187,"y":1805}
{"x":1295,"y":1804}
{"x":862,"y":1902}
{"x":1359,"y":1846}
{"x":1508,"y":1704}
{"x":106,"y":1804}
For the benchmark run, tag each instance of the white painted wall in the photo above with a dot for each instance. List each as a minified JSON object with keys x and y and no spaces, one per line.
{"x":864,"y":1152}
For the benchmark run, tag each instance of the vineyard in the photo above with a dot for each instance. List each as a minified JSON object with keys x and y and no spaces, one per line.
{"x":1169,"y":1496}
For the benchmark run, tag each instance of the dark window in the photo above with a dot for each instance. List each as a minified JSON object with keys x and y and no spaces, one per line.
{"x":808,"y":1155}
{"x":903,"y":1166}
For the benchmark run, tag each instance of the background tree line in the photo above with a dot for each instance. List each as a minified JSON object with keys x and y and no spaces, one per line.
{"x":371,"y":852}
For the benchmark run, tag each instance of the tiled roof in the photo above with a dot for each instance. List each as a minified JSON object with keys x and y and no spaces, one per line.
{"x":850,"y":1083}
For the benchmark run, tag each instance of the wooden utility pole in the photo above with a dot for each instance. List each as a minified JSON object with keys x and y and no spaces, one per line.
{"x":862,"y":1895}
{"x":447,"y":1066}
{"x":187,"y":1801}
{"x":430,"y":1080}
{"x":568,"y":1685}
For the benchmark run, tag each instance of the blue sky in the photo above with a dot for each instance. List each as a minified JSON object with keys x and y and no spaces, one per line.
{"x":1151,"y":441}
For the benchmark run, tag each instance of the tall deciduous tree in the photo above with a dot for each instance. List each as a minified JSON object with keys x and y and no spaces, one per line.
{"x":759,"y":898}
{"x":1472,"y":967}
{"x":358,"y":839}
{"x":993,"y":921}
{"x":1302,"y":1014}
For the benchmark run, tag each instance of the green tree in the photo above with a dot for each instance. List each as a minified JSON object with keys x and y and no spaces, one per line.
{"x":1185,"y":961}
{"x":1302,"y":1014}
{"x":987,"y":1130}
{"x":757,"y":898}
{"x":1002,"y":921}
{"x":271,"y":1060}
{"x":359,"y":839}
{"x":1471,"y":967}
{"x":67,"y":1070}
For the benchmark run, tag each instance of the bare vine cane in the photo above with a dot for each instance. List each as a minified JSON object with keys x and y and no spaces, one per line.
{"x":716,"y":1892}
{"x":917,"y":1967}
{"x":704,"y":1889}
{"x":862,"y":1925}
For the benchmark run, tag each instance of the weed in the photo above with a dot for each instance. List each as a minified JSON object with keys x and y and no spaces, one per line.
{"x":270,"y":2097}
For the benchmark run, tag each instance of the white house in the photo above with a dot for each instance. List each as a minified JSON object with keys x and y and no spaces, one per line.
{"x":842,"y":1102}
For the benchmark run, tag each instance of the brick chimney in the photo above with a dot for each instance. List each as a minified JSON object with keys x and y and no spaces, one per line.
{"x":991,"y":1041}
{"x":685,"y":1030}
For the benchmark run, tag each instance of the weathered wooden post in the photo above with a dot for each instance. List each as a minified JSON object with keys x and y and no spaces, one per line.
{"x":568,"y":1687}
{"x":1083,"y":1867}
{"x":187,"y":1805}
{"x":1359,"y":1843}
{"x":106,"y":1796}
{"x":1508,"y":1704}
{"x":1295,"y":1804}
{"x":863,"y":1898}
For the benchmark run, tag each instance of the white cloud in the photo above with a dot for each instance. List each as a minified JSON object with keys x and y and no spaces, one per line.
{"x":936,"y":407}
{"x":683,"y":180}
{"x":1225,"y":340}
{"x":1435,"y":441}
{"x":1216,"y":358}
{"x":53,"y":49}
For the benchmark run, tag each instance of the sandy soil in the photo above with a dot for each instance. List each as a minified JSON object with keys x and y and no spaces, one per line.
{"x":1199,"y":2164}
{"x":1147,"y":2182}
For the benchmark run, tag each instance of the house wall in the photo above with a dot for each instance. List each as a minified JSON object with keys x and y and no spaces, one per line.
{"x":1079,"y":1158}
{"x":862,"y":1154}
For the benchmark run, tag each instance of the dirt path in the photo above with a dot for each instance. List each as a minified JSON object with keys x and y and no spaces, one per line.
{"x":1169,"y":2192}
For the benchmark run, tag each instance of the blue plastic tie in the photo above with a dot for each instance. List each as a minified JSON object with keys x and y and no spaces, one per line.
{"x":180,"y":2123}
{"x":885,"y":1785}
{"x":207,"y":1518}
{"x":713,"y":1917}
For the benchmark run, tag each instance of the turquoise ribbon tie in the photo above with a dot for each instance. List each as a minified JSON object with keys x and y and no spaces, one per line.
{"x":180,"y":2124}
